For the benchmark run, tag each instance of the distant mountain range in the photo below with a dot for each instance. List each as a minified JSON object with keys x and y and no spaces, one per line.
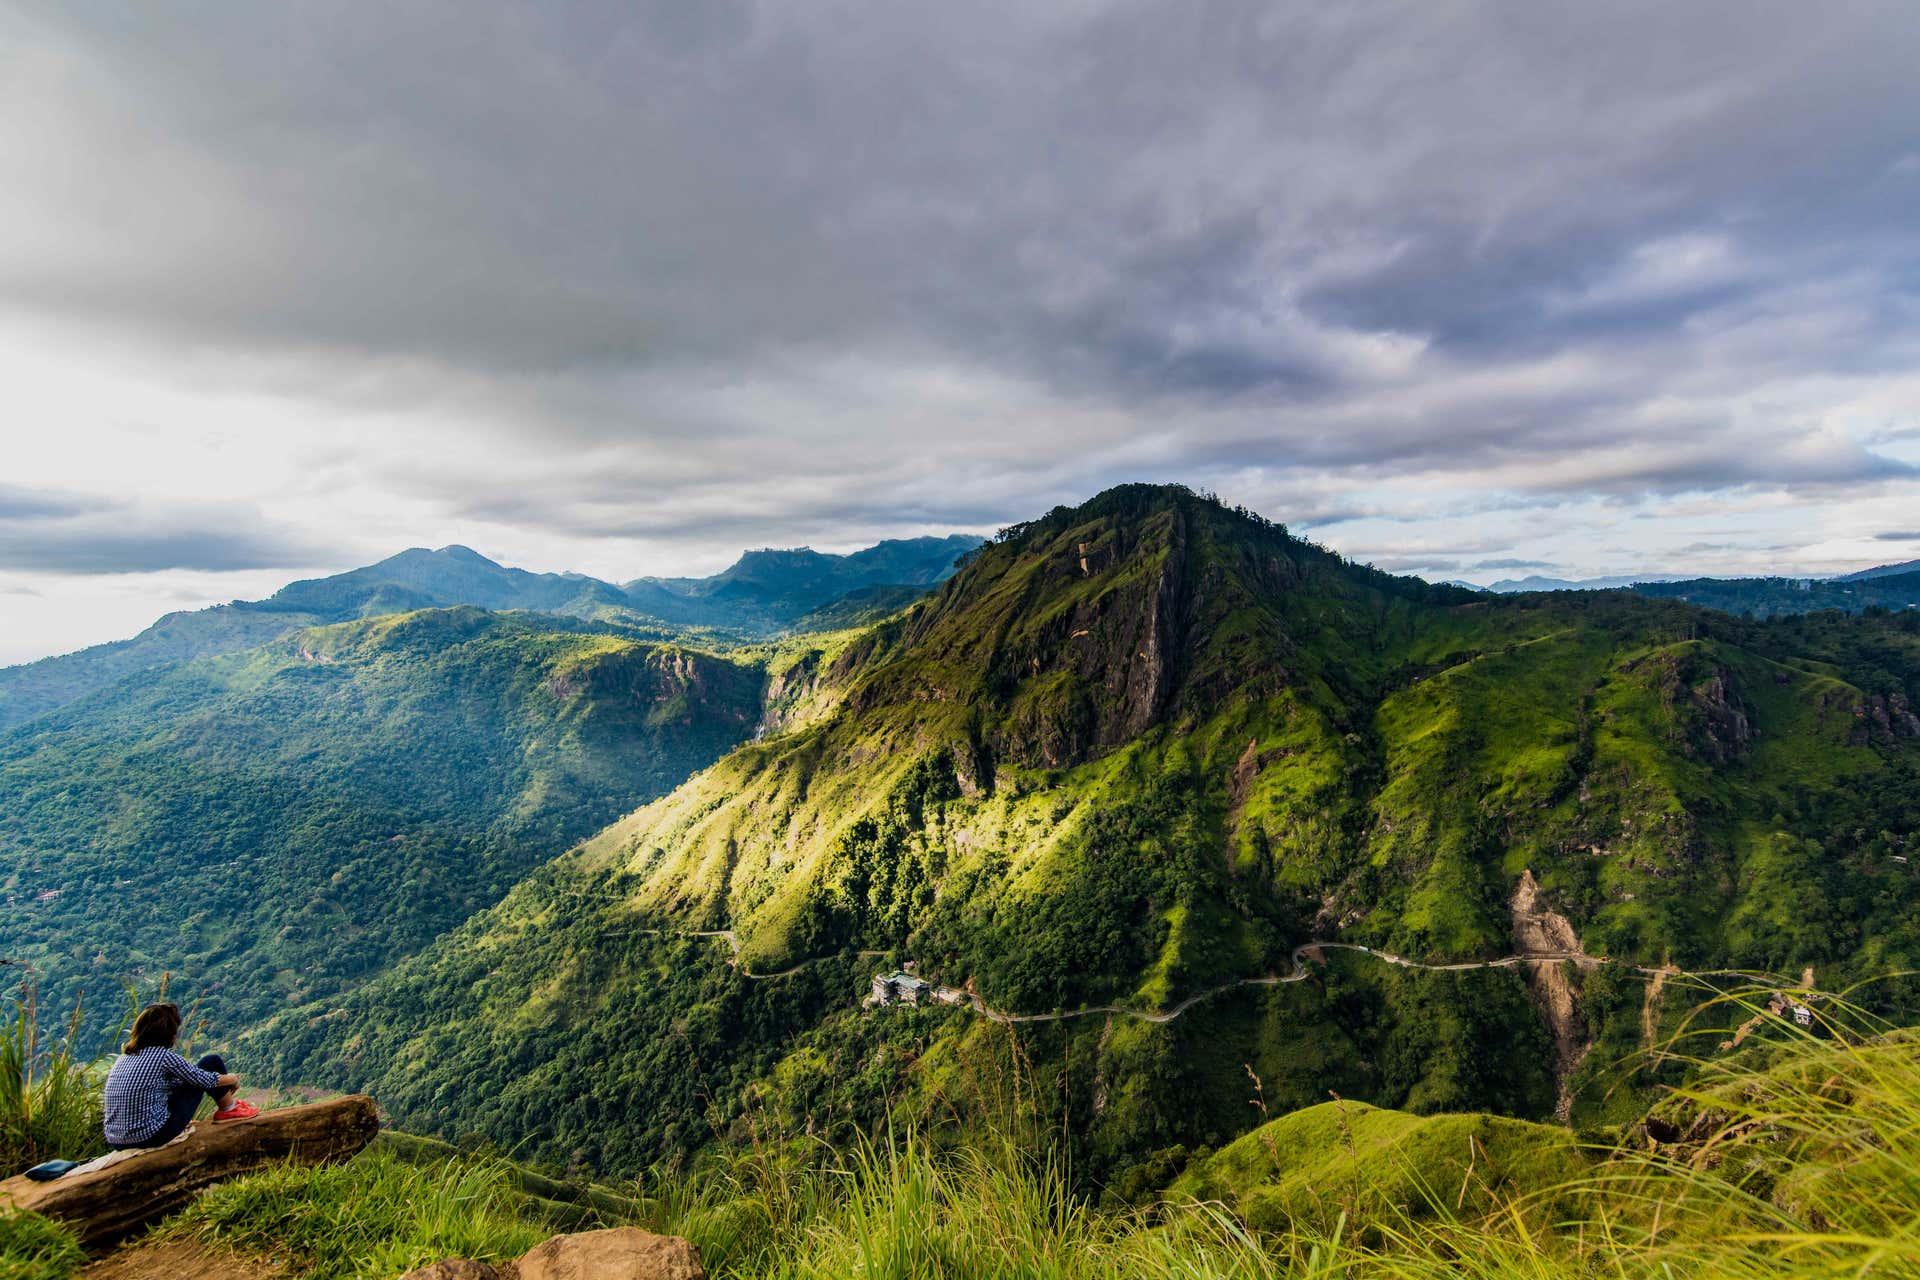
{"x":1882,"y":571}
{"x":762,"y":594}
{"x":1887,"y":586}
{"x":277,"y":799}
{"x":1773,"y":597}
{"x":1534,"y":582}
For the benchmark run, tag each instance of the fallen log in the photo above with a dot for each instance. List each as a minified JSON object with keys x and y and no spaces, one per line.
{"x":108,"y":1204}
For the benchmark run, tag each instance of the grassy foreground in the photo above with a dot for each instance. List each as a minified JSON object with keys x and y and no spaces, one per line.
{"x":1800,"y":1159}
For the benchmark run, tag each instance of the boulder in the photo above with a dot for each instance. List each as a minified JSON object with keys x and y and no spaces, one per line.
{"x":107,"y":1204}
{"x":618,"y":1253}
{"x":461,"y":1269}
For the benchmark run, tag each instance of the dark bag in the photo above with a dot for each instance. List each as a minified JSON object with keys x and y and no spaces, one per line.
{"x":51,"y":1169}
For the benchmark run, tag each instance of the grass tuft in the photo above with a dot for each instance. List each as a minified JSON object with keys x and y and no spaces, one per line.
{"x":49,"y":1102}
{"x":374,"y":1216}
{"x":34,"y":1248}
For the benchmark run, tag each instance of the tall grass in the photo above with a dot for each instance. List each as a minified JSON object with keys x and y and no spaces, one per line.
{"x":49,"y":1101}
{"x":34,"y":1248}
{"x":375,"y":1216}
{"x":1799,"y":1157}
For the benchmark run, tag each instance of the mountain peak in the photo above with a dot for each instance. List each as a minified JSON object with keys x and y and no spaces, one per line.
{"x":1881,"y":571}
{"x":1082,"y":629}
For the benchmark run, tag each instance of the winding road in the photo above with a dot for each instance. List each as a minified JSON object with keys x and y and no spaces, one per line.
{"x":1298,"y":973}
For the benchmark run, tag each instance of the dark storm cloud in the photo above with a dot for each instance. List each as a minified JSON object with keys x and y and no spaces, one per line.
{"x":67,"y":533}
{"x":1904,"y":536}
{"x":1550,"y":247}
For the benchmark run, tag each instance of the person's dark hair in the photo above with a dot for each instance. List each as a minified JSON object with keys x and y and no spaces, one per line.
{"x":157,"y":1025}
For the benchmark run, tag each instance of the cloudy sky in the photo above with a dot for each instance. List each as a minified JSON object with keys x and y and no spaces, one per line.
{"x":1470,"y":289}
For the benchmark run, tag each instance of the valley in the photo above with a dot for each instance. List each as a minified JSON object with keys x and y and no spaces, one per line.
{"x":278,"y":824}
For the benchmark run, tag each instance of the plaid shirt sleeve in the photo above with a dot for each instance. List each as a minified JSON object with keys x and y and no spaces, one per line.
{"x":185,"y":1072}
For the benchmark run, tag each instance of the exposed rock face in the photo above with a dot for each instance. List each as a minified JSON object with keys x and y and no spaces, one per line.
{"x":1883,"y":720}
{"x":787,"y":692}
{"x":670,"y":683}
{"x":972,"y":769}
{"x":1904,"y":723}
{"x":105,"y":1205}
{"x":619,"y":1253}
{"x":1538,"y":931}
{"x":1719,"y":728}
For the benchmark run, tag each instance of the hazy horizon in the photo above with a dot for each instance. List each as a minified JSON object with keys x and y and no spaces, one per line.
{"x":1485,"y":578}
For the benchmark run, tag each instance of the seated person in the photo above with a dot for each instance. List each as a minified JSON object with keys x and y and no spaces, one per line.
{"x":153,"y":1092}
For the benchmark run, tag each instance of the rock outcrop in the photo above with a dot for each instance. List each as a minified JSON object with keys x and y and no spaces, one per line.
{"x":107,"y":1204}
{"x":619,"y":1253}
{"x":459,"y":1269}
{"x":1883,"y":720}
{"x":1538,"y":931}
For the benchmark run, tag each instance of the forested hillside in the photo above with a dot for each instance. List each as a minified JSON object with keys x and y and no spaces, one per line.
{"x":1772,"y":597}
{"x":1142,"y":749}
{"x":275,"y":826}
{"x":763,"y":594}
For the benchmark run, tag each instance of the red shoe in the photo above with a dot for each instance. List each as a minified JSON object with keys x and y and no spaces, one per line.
{"x":235,"y":1110}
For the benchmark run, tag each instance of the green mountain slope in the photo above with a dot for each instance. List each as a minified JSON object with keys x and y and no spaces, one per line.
{"x":764,"y":593}
{"x":1142,"y":749}
{"x":278,"y":825}
{"x":32,"y":689}
{"x":1902,"y":569}
{"x":415,"y":579}
{"x":1893,"y":587}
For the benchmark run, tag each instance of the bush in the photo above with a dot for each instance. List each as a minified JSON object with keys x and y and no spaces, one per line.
{"x":49,"y":1102}
{"x":32,"y":1248}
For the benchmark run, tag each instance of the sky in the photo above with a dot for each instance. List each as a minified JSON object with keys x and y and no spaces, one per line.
{"x":1473,"y":290}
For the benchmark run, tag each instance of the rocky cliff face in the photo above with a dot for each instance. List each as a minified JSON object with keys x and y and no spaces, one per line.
{"x":1884,"y":719}
{"x":1553,"y":981}
{"x":664,"y":684}
{"x":1092,"y":627}
{"x":1712,"y":721}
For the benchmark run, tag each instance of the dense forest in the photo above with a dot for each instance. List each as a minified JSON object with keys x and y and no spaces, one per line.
{"x":276,"y":826}
{"x":762,"y":595}
{"x":1774,"y":597}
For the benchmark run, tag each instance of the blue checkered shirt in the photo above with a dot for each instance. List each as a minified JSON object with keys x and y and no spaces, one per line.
{"x":137,"y":1089}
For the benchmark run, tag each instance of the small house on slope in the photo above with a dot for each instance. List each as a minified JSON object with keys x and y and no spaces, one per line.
{"x":898,"y":988}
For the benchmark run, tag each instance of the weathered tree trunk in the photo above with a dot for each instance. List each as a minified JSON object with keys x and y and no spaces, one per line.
{"x":103,"y":1206}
